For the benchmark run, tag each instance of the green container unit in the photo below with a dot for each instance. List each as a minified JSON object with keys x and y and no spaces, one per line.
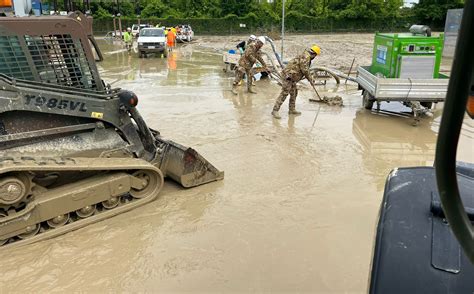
{"x":407,"y":56}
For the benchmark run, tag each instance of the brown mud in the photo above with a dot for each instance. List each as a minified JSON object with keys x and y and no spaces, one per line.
{"x":337,"y":50}
{"x":296,"y":212}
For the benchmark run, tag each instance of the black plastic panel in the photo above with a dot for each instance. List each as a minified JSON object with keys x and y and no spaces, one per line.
{"x":415,"y":250}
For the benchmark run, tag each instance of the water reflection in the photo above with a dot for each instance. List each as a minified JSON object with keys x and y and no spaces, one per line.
{"x":388,"y":142}
{"x":183,"y":67}
{"x":156,"y":69}
{"x":382,"y":136}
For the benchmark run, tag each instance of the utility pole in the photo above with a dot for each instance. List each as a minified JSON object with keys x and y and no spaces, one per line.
{"x":87,"y":7}
{"x":115,"y":27}
{"x":137,"y":11}
{"x":119,"y":19}
{"x":282,"y":27}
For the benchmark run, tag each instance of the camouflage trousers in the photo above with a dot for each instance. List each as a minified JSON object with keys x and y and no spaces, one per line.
{"x":287,"y":87}
{"x":240,"y":72}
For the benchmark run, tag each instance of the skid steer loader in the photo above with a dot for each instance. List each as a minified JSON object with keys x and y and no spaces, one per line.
{"x":73,"y":150}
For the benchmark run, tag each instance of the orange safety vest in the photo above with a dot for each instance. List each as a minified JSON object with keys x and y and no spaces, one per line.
{"x":6,"y":3}
{"x":170,"y":37}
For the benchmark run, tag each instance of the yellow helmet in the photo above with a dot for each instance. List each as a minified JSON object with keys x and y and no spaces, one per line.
{"x":315,"y":49}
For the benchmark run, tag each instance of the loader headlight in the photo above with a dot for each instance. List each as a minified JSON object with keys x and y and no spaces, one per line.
{"x":128,"y":98}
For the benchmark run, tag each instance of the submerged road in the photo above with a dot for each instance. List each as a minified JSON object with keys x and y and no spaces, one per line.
{"x":296,"y":211}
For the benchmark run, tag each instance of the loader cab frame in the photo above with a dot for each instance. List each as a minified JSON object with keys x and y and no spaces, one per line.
{"x":460,"y":89}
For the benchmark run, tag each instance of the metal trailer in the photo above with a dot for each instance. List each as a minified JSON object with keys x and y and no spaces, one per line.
{"x":418,"y":94}
{"x":231,"y":61}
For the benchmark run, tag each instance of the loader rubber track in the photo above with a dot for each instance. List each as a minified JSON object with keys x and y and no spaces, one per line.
{"x":129,"y":182}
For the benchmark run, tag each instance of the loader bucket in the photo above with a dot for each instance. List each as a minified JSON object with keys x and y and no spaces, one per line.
{"x":185,"y":165}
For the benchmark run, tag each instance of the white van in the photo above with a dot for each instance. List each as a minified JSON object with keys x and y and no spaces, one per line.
{"x":152,"y":40}
{"x":136,"y":29}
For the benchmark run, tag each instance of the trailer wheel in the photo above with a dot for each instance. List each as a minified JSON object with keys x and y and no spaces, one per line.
{"x":427,"y":104}
{"x":367,"y":100}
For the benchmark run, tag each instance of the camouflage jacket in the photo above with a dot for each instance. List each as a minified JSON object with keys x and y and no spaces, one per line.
{"x":251,"y":55}
{"x":298,"y":68}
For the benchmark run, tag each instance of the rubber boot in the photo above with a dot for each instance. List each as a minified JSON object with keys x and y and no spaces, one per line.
{"x":234,"y":90}
{"x":294,"y":112}
{"x":275,"y":114}
{"x":251,"y":90}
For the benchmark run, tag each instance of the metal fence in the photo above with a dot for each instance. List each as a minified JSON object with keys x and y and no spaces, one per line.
{"x":299,"y":24}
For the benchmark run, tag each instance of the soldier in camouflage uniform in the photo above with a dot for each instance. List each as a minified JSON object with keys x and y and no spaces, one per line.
{"x":246,"y":62}
{"x":241,"y":46}
{"x":296,"y":70}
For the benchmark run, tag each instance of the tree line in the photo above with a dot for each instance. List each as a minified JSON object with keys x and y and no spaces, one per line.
{"x":426,"y":11}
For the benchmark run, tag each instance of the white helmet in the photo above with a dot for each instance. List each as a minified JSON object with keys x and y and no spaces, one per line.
{"x":129,"y":29}
{"x":262,"y":39}
{"x":253,"y":37}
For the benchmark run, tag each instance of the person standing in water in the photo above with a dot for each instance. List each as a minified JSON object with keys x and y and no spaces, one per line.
{"x":296,"y":70}
{"x":246,"y":62}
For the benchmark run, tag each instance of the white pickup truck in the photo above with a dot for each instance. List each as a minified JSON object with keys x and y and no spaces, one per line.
{"x":185,"y":34}
{"x":152,"y":40}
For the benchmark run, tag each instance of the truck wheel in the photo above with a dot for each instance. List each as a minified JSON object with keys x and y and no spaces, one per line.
{"x":427,"y":104}
{"x":367,"y":100}
{"x":140,"y":54}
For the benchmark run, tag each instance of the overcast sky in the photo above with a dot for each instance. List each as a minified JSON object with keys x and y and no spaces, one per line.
{"x":409,"y":3}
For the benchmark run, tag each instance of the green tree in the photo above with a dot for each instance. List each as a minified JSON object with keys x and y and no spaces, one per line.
{"x":127,"y":8}
{"x":434,"y":11}
{"x":392,"y":8}
{"x":154,"y":8}
{"x":363,"y":9}
{"x":237,"y":7}
{"x":306,"y":7}
{"x":102,"y":13}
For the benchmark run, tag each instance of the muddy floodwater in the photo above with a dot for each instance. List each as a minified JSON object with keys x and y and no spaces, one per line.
{"x":296,"y":211}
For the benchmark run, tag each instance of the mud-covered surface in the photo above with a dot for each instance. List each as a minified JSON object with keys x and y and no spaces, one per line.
{"x":337,"y":50}
{"x":297,"y":208}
